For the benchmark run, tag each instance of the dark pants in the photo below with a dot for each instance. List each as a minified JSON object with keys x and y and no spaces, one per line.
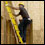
{"x":22,"y":27}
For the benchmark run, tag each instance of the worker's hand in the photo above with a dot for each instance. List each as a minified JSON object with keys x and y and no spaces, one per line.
{"x":8,"y":5}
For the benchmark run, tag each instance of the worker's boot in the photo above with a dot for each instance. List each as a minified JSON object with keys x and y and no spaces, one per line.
{"x":24,"y":42}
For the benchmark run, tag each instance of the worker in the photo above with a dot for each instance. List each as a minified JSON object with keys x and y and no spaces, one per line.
{"x":25,"y":21}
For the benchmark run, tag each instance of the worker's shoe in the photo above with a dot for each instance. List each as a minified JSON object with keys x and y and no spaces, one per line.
{"x":24,"y":43}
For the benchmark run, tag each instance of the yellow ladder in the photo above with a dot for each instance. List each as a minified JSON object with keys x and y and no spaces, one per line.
{"x":13,"y":21}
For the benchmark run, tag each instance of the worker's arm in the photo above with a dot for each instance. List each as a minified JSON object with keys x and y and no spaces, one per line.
{"x":16,"y":8}
{"x":15,"y":14}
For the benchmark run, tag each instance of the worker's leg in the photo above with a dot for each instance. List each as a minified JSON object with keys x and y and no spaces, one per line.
{"x":24,"y":34}
{"x":21,"y":28}
{"x":24,"y":30}
{"x":26,"y":22}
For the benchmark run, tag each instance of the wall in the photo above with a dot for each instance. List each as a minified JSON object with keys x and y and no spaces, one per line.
{"x":36,"y":12}
{"x":7,"y":34}
{"x":2,"y":23}
{"x":10,"y":33}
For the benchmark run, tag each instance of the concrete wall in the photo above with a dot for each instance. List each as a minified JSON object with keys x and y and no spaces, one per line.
{"x":36,"y":12}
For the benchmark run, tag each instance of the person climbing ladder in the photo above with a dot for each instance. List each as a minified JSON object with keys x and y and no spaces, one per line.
{"x":25,"y":21}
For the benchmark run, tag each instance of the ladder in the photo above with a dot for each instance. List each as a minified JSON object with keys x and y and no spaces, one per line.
{"x":13,"y":21}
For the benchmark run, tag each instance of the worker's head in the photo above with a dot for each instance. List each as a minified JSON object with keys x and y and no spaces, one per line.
{"x":21,"y":5}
